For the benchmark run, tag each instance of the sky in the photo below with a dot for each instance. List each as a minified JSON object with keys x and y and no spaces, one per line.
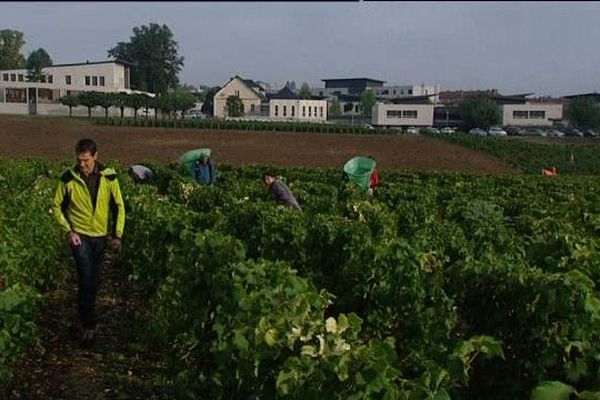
{"x":548,"y":48}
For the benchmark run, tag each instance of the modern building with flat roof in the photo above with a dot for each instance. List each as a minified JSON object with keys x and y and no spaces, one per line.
{"x":18,"y":96}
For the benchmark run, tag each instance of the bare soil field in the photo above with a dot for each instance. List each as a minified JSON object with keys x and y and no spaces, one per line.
{"x":55,"y":138}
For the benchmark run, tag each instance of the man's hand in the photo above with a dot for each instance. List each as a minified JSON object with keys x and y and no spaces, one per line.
{"x":115,"y":244}
{"x":74,"y":239}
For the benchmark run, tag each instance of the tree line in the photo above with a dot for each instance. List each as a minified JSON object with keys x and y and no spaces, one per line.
{"x":167,"y":103}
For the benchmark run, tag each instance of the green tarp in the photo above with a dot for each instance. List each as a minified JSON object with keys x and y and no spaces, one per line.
{"x":359,"y":170}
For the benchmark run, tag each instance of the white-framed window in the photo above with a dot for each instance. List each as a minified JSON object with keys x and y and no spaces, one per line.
{"x":94,"y":81}
{"x":285,"y":111}
{"x":16,"y":95}
{"x":537,"y":114}
{"x":13,"y":77}
{"x":304,"y":111}
{"x":68,"y":79}
{"x":321,"y":112}
{"x":101,"y":81}
{"x":520,"y":114}
{"x":409,"y":91}
{"x":394,"y":114}
{"x":412,"y":114}
{"x":21,"y":78}
{"x":252,"y":108}
{"x":50,"y":78}
{"x":276,"y":110}
{"x":315,"y":112}
{"x":293,"y":111}
{"x":87,"y":81}
{"x":309,"y":111}
{"x":5,"y":77}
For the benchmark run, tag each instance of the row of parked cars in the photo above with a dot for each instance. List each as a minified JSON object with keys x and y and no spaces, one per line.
{"x":545,"y":132}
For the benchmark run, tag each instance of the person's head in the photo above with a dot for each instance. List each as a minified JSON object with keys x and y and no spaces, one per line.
{"x":269,"y":177}
{"x":87,"y":154}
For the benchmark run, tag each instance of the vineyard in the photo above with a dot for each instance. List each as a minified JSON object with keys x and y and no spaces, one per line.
{"x":442,"y":286}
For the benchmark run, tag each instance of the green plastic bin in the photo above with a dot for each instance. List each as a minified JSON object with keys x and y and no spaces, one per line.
{"x":188,"y":159}
{"x":359,"y":170}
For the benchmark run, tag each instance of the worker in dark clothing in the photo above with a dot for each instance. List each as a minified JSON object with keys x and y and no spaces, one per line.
{"x":139,"y":173}
{"x":280,"y":191}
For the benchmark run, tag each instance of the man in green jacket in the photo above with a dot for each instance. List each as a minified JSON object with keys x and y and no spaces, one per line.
{"x":85,"y":196}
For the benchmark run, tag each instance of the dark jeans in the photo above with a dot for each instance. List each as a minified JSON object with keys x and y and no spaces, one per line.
{"x":88,"y":259}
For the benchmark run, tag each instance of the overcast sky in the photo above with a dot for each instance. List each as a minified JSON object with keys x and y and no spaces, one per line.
{"x":550,"y":48}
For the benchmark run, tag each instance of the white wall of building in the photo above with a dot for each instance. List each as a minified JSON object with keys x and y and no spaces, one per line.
{"x":531,"y":114}
{"x":106,"y":77}
{"x":402,"y":114}
{"x":236,"y":87}
{"x":299,"y":110}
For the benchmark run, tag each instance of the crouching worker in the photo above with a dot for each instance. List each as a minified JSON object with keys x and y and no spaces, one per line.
{"x":85,"y":196}
{"x":204,"y":171}
{"x":140,"y":173}
{"x":280,"y":191}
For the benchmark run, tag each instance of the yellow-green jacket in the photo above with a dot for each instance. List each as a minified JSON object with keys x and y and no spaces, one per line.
{"x":72,"y":204}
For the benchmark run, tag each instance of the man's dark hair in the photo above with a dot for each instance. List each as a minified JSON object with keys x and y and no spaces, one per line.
{"x":85,"y":145}
{"x":269,"y":173}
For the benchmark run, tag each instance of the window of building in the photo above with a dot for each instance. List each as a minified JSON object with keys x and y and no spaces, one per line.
{"x":309,"y":111}
{"x":276,"y":110}
{"x":68,"y":79}
{"x":520,"y":114}
{"x":304,"y":111}
{"x":409,"y":114}
{"x":252,"y":108}
{"x":394,"y":114}
{"x":394,"y":92}
{"x":315,"y":111}
{"x":5,"y":77}
{"x":16,"y":96}
{"x":321,"y":112}
{"x":293,"y":111}
{"x":537,"y":114}
{"x":409,"y":91}
{"x":87,"y":81}
{"x":1,"y":96}
{"x":94,"y":81}
{"x":48,"y":96}
{"x":356,"y":108}
{"x":13,"y":77}
{"x":21,"y":78}
{"x":101,"y":81}
{"x":386,"y":92}
{"x":285,"y":111}
{"x":237,"y":93}
{"x":50,"y":79}
{"x":43,"y":78}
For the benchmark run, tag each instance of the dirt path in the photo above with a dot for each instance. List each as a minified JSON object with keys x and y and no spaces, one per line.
{"x":55,"y":138}
{"x":118,"y":366}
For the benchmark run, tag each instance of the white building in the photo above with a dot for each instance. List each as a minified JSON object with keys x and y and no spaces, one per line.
{"x":17,"y":96}
{"x":392,"y":92}
{"x":402,"y":114}
{"x":286,"y":105}
{"x":531,"y":114}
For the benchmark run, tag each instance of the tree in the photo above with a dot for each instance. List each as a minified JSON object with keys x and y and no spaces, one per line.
{"x":89,"y":100}
{"x":105,"y":100}
{"x":182,"y":100}
{"x":136,"y":101}
{"x":209,"y":95}
{"x":120,"y":101}
{"x":584,"y":113}
{"x":155,"y":53}
{"x":10,"y":49}
{"x":37,"y":60}
{"x":305,"y":92}
{"x":164,"y":103}
{"x":479,"y":112}
{"x":336,"y":109}
{"x":69,"y":101}
{"x":234,"y":106}
{"x":367,"y":101}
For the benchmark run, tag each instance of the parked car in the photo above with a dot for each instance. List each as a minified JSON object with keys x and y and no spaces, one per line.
{"x":539,"y":132}
{"x":447,"y":131}
{"x":497,"y":131}
{"x":478,"y":132}
{"x":555,"y":133}
{"x":591,"y":133}
{"x":573,"y":132}
{"x":193,"y":114}
{"x":432,"y":130}
{"x":411,"y":129}
{"x":515,"y":130}
{"x":367,"y":126}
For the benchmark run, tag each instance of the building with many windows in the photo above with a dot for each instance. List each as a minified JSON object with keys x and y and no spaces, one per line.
{"x":18,"y":96}
{"x":287,"y":105}
{"x":416,"y":112}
